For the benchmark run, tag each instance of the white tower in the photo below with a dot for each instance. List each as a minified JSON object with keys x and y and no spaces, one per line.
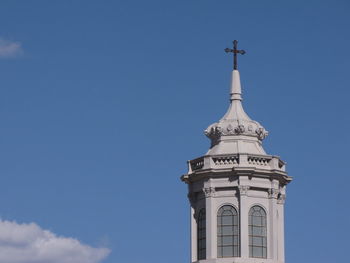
{"x":237,"y":191}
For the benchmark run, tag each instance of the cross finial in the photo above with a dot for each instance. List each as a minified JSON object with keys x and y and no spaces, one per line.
{"x":235,"y":51}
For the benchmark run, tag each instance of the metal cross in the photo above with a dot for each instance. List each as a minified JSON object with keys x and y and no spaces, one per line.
{"x":235,"y":51}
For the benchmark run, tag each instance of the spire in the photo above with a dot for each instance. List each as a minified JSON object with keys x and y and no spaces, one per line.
{"x":235,"y":110}
{"x":236,"y":90}
{"x":236,"y":132}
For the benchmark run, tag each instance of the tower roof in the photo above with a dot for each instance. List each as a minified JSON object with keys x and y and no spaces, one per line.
{"x":236,"y":144}
{"x":235,"y":132}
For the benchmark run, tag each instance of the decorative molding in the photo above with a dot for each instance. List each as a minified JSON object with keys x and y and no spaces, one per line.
{"x":281,"y":199}
{"x":243,"y":189}
{"x":209,"y":191}
{"x":241,"y":127}
{"x":273,"y":193}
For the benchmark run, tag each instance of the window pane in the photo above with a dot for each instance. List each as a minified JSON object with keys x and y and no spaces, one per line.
{"x":227,"y":230}
{"x":235,"y":251}
{"x":257,"y":252}
{"x":257,"y":241}
{"x":235,"y":240}
{"x":219,"y":241}
{"x":227,"y":251}
{"x":227,"y":213}
{"x":227,"y":220}
{"x":235,"y":220}
{"x":227,"y":240}
{"x":264,"y":241}
{"x":235,"y":230}
{"x":257,"y":221}
{"x":219,"y":252}
{"x":257,"y":231}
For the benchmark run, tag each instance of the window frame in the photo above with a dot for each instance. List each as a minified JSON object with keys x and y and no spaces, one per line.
{"x":229,"y":241}
{"x":201,"y":234}
{"x":257,"y":232}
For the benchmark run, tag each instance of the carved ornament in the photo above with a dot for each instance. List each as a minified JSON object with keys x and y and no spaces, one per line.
{"x":235,"y":127}
{"x":243,"y":189}
{"x":273,"y":193}
{"x":209,"y":191}
{"x":281,"y":199}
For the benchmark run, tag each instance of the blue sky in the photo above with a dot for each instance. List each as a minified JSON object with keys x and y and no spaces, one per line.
{"x":102,"y":103}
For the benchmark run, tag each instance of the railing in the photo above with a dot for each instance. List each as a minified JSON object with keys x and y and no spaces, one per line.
{"x":265,"y":162}
{"x":258,"y":160}
{"x":197,"y":164}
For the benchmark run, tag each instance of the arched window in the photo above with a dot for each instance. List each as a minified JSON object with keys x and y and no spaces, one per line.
{"x":201,"y":235}
{"x":257,"y":232}
{"x":228,"y":232}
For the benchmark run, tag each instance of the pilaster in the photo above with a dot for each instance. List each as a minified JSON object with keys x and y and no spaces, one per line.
{"x":193,"y":215}
{"x":280,"y":211}
{"x":273,"y":224}
{"x":210,"y":222}
{"x":243,"y":216}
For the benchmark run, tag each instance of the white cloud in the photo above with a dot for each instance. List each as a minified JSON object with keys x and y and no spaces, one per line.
{"x":9,"y":48}
{"x":28,"y":243}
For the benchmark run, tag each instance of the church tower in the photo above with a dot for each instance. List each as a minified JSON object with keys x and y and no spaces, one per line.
{"x":237,"y":190}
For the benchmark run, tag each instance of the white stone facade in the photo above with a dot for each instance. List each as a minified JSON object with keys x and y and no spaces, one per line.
{"x":236,"y":172}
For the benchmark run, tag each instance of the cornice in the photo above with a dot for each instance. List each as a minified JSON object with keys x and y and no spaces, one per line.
{"x":242,"y":171}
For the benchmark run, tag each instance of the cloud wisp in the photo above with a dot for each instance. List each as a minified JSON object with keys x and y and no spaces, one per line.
{"x":9,"y":49}
{"x":28,"y":243}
